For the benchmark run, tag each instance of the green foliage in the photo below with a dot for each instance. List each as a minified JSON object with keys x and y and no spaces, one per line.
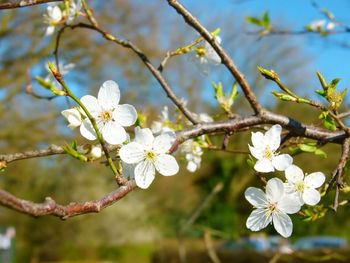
{"x":309,"y":147}
{"x":328,"y":121}
{"x":225,"y":101}
{"x":313,"y":213}
{"x":264,"y":21}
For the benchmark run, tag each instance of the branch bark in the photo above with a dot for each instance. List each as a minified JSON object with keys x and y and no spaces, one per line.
{"x":25,"y":3}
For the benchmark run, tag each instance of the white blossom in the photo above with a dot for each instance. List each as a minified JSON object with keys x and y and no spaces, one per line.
{"x":162,"y":125}
{"x":205,"y":55}
{"x":321,"y":25}
{"x":204,"y":117}
{"x":52,"y":18}
{"x":110,"y":117}
{"x":149,"y":154}
{"x":73,"y":117}
{"x":264,"y":149}
{"x":304,"y":187}
{"x":193,"y":155}
{"x":271,"y":207}
{"x":74,"y":10}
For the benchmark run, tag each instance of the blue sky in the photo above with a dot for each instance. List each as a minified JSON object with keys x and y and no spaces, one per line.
{"x":332,"y":60}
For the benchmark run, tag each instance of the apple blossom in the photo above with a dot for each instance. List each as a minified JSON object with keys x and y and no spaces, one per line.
{"x":193,"y":155}
{"x":73,"y":12}
{"x":52,"y":18}
{"x":271,"y":207}
{"x":304,"y":186}
{"x":73,"y":117}
{"x":109,"y":116}
{"x":149,"y":154}
{"x":162,"y":125}
{"x":264,"y":149}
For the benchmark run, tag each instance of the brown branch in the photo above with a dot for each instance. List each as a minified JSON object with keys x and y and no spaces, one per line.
{"x":50,"y":207}
{"x":226,"y":60}
{"x":337,"y":175}
{"x":155,"y":72}
{"x":25,"y":3}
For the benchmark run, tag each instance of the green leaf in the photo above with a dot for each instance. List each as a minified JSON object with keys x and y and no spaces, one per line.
{"x":308,"y":148}
{"x":320,"y":153}
{"x":266,"y":19}
{"x":321,"y":92}
{"x":322,"y":80}
{"x":250,"y":161}
{"x":254,"y":20}
{"x":334,"y":83}
{"x":328,"y":121}
{"x":268,"y":74}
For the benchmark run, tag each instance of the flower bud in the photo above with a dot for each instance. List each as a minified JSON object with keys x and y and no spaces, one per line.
{"x":73,"y":117}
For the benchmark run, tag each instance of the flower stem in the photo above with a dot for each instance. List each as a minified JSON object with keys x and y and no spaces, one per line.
{"x":99,"y":136}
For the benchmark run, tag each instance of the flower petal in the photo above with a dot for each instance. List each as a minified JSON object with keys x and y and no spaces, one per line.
{"x":87,"y":130}
{"x":281,"y":162}
{"x":258,"y":219}
{"x":166,"y":165}
{"x":274,"y":190}
{"x":258,"y":139}
{"x":125,"y":115}
{"x":283,"y":224}
{"x":144,"y":137}
{"x":109,"y":94}
{"x":273,"y":137}
{"x":132,"y":153}
{"x":256,"y":197}
{"x":144,"y":174}
{"x":92,"y":105}
{"x":289,"y":204}
{"x":294,"y":174}
{"x":73,"y":117}
{"x":256,"y":152}
{"x":191,"y":166}
{"x":315,"y":180}
{"x":311,"y":196}
{"x":162,"y":143}
{"x":263,"y":166}
{"x":113,"y":133}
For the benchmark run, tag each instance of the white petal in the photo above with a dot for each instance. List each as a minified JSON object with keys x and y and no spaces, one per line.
{"x":274,"y":190}
{"x":144,"y":174}
{"x":144,"y":137}
{"x":315,"y":180}
{"x":56,"y":14}
{"x":258,"y":140}
{"x":256,"y":152}
{"x":49,"y":30}
{"x":191,"y":166}
{"x":258,"y":220}
{"x":283,"y":224}
{"x":294,"y":174}
{"x":256,"y":197}
{"x":73,"y":117}
{"x":282,"y":162}
{"x":166,"y":165}
{"x":289,"y":204}
{"x":125,"y":115}
{"x":109,"y":94}
{"x":92,"y":105}
{"x":311,"y":196}
{"x":87,"y":130}
{"x":263,"y":166}
{"x":273,"y":137}
{"x":162,"y":143}
{"x":113,"y":133}
{"x":132,"y":153}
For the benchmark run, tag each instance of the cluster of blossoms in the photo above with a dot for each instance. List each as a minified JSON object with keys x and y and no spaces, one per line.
{"x":280,"y":199}
{"x":57,"y":14}
{"x":141,"y":157}
{"x":322,"y":26}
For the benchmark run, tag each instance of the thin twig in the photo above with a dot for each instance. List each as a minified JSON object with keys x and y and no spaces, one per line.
{"x":226,"y":59}
{"x":25,"y":3}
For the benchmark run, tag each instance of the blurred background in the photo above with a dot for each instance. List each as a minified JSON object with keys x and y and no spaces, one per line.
{"x":179,"y":215}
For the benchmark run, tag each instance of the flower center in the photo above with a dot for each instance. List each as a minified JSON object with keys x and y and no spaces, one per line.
{"x":268,"y":154}
{"x":151,"y":156}
{"x":201,"y":51}
{"x":106,"y":116}
{"x":300,"y":186}
{"x":272,"y":207}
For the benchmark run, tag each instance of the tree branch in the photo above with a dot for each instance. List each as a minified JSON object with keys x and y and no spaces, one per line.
{"x":226,"y":60}
{"x":25,"y":3}
{"x":50,"y":207}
